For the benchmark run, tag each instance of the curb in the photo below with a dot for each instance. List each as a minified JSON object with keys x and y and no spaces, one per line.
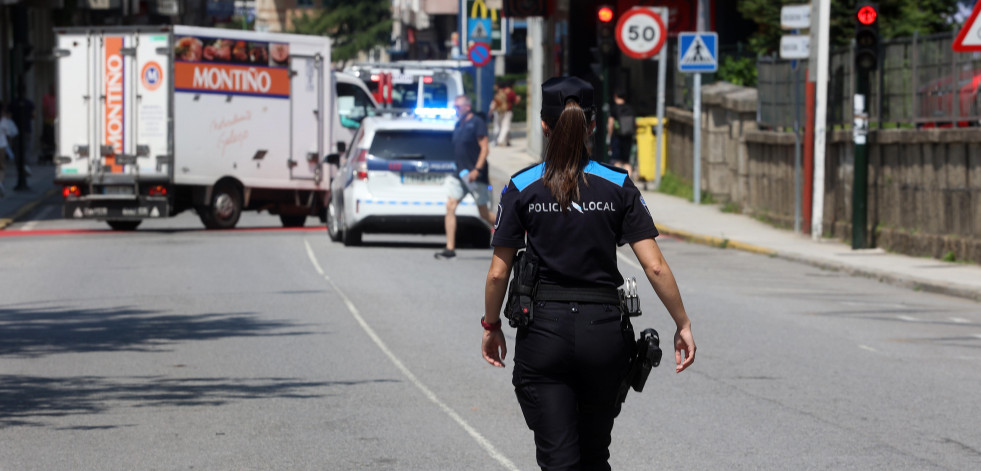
{"x":27,"y":208}
{"x":915,"y":284}
{"x":714,"y":241}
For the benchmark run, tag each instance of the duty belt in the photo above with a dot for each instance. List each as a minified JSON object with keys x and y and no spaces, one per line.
{"x":579,"y":295}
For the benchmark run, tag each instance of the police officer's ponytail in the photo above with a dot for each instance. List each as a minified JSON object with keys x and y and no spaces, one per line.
{"x":566,"y":154}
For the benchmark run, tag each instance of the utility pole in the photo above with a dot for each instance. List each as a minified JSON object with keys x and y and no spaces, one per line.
{"x":821,"y":116}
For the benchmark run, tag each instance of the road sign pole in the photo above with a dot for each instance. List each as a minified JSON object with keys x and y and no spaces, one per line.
{"x":797,"y":149}
{"x":697,"y":128}
{"x":662,"y":72}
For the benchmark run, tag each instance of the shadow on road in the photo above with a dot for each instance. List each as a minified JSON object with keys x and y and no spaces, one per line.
{"x":29,"y":400}
{"x":36,"y":332}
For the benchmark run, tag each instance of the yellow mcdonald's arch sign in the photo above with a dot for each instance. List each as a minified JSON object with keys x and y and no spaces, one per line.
{"x":480,"y":7}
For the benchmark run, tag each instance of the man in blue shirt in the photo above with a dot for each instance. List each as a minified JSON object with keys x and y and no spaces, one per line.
{"x":470,"y":148}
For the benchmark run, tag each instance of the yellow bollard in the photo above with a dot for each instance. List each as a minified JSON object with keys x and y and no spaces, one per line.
{"x":646,"y":153}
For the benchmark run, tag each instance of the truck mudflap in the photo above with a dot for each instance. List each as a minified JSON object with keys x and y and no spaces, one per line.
{"x":120,"y":209}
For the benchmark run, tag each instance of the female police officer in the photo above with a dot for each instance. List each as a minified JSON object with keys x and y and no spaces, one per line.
{"x":570,"y":360}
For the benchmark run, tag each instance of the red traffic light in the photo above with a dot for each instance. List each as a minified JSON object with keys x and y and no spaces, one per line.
{"x":605,"y":14}
{"x":867,"y":15}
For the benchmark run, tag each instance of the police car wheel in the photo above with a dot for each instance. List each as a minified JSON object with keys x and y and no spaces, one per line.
{"x":351,"y":237}
{"x":333,"y":223}
{"x":118,"y":225}
{"x":479,"y":238}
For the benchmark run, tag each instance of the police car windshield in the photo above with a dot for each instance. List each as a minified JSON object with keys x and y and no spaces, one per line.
{"x":412,"y":145}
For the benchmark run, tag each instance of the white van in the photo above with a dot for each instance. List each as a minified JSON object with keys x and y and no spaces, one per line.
{"x":157,"y":120}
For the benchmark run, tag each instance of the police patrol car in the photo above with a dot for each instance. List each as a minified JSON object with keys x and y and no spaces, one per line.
{"x":412,"y":84}
{"x":391,"y":180}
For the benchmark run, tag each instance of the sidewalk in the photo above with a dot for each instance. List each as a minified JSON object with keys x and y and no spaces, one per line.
{"x":706,"y":224}
{"x":17,"y":204}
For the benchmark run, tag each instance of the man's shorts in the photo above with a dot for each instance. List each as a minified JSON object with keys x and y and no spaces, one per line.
{"x":455,"y":189}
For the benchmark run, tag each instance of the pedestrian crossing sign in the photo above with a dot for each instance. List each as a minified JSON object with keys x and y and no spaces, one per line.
{"x":698,"y":52}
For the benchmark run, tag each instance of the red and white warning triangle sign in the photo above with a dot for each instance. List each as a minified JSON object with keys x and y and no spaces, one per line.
{"x":969,"y":39}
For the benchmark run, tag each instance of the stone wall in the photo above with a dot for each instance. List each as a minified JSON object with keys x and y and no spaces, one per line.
{"x":924,"y":184}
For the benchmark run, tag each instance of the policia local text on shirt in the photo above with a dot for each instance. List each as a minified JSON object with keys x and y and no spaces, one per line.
{"x":571,"y":359}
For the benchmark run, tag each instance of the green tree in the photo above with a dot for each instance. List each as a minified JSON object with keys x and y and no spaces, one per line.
{"x":353,"y":25}
{"x":897,"y":18}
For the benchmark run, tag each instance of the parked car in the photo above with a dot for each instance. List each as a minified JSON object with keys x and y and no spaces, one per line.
{"x":936,"y":100}
{"x":391,"y":180}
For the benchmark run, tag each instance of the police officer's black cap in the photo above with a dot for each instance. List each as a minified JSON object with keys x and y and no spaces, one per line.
{"x":557,"y":90}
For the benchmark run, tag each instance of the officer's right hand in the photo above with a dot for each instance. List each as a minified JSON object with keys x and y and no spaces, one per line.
{"x":494,"y":347}
{"x":683,"y":342}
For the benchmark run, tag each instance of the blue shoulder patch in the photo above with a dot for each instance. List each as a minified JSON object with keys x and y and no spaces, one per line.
{"x":614,"y":175}
{"x":528,"y":176}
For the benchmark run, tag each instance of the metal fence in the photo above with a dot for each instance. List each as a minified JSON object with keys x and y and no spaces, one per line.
{"x":920,"y":81}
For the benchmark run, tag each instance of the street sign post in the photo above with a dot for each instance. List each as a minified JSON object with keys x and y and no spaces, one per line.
{"x":969,"y":38}
{"x":697,"y":53}
{"x":795,"y":17}
{"x":641,"y":33}
{"x":479,"y":54}
{"x":794,"y":47}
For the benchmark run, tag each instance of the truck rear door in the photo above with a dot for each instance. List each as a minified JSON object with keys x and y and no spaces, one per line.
{"x":114,"y":110}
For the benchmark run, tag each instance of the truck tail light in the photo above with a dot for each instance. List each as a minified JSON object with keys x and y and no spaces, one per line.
{"x":427,"y":80}
{"x":71,"y":190}
{"x":157,"y":190}
{"x":361,"y":165}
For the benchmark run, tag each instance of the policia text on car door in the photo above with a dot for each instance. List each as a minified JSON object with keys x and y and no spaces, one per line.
{"x":569,"y":214}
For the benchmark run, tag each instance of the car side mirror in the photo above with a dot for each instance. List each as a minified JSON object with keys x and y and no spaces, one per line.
{"x":341,"y":147}
{"x":333,"y":159}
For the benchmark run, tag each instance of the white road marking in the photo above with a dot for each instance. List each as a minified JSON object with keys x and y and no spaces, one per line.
{"x":629,"y":261}
{"x":483,"y":442}
{"x":907,"y":318}
{"x":977,"y":336}
{"x":866,"y":347}
{"x":29,"y":225}
{"x":959,"y":320}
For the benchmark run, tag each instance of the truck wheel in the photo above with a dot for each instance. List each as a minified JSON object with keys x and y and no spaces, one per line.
{"x":123,"y":225}
{"x":225,"y":208}
{"x":333,"y":224}
{"x":293,"y":221}
{"x":351,"y":237}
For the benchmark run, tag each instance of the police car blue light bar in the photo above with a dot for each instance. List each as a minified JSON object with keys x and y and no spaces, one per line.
{"x":436,"y":113}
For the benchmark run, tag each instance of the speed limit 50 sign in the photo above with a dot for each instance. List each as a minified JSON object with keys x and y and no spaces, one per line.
{"x":641,"y":33}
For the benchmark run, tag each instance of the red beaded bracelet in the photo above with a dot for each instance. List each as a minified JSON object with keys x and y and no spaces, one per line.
{"x":490,"y":327}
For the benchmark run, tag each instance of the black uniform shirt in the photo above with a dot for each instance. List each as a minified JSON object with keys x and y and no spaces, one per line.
{"x":576,"y":247}
{"x":466,"y":145}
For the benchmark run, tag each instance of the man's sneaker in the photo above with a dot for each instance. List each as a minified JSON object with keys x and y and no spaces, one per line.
{"x":445,"y":254}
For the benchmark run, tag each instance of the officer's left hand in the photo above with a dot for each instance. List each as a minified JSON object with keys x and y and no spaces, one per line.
{"x":472,"y":176}
{"x":492,"y":344}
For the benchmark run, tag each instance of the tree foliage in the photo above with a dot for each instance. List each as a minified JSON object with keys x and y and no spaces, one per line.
{"x":897,"y":18}
{"x":353,"y":25}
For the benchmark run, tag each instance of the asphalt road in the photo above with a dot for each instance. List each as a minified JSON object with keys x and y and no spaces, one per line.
{"x":260,"y":348}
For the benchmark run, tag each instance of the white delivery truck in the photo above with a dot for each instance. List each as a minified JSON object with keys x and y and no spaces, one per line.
{"x":157,"y":120}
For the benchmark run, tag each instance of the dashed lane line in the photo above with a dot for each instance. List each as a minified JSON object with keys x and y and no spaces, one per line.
{"x":483,"y":442}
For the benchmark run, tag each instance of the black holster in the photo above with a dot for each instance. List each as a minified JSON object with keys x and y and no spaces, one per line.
{"x":647,"y":355}
{"x":520,"y":306}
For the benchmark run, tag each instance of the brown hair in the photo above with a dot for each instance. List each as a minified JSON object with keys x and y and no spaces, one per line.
{"x":566,"y":154}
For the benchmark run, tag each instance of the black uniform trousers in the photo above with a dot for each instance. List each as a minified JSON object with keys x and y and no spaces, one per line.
{"x":568,"y":366}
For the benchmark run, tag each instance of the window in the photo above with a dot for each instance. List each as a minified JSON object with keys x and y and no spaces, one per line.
{"x":413,"y":145}
{"x":352,"y":104}
{"x":306,"y":3}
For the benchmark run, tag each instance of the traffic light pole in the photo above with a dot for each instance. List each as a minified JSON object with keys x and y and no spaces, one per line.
{"x":860,"y":180}
{"x":604,"y":113}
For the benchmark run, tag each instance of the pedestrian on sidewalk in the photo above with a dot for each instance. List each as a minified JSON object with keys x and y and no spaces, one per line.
{"x":23,"y":113}
{"x":570,"y":213}
{"x":503,"y":104}
{"x":8,"y":131}
{"x":622,"y":129}
{"x":470,"y":148}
